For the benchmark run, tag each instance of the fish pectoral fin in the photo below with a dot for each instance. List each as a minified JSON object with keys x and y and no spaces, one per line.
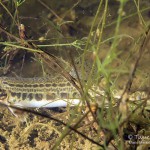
{"x":13,"y":111}
{"x":19,"y":114}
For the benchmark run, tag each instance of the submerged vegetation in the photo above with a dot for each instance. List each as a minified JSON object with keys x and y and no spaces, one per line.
{"x":100,"y":47}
